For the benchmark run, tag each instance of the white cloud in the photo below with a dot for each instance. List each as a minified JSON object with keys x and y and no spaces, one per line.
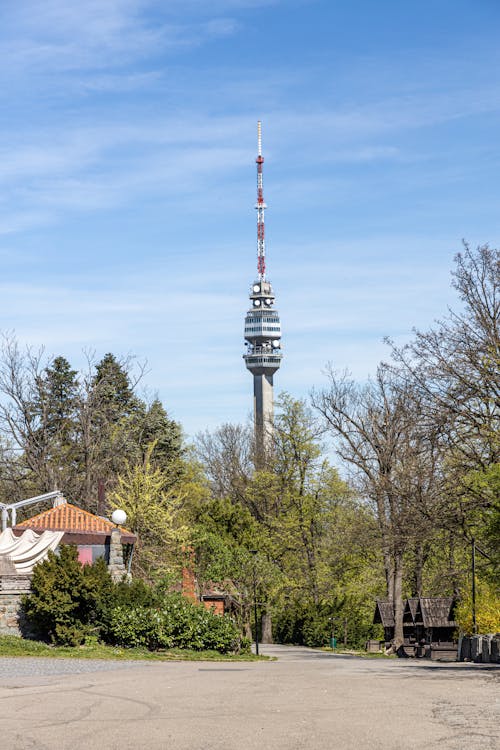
{"x":57,"y":36}
{"x":82,"y":167}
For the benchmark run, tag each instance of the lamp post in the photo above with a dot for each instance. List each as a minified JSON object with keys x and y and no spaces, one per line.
{"x":254,"y":552}
{"x":333,"y":642}
{"x":474,"y":621}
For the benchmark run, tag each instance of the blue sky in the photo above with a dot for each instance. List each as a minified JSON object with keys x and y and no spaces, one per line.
{"x":127,"y":147}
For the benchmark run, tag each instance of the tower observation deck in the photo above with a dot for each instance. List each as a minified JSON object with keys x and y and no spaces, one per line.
{"x":262,"y":328}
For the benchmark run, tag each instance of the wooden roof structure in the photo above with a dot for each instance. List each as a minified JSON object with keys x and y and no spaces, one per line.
{"x":429,"y":611}
{"x":384,"y":613}
{"x":411,"y":612}
{"x":436,"y":612}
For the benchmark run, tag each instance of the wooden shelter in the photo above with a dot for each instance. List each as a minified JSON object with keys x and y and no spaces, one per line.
{"x":384,"y":615}
{"x":436,"y":615}
{"x":426,"y":620}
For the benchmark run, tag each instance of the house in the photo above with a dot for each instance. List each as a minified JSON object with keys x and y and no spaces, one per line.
{"x":91,"y":534}
{"x":29,"y":542}
{"x":216,"y":597}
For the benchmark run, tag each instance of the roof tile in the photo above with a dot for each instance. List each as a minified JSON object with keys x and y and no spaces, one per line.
{"x":67,"y":517}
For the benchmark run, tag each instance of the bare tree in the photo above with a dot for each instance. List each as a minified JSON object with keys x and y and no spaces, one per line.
{"x":455,"y":367}
{"x":227,"y":456}
{"x":394,"y":460}
{"x":24,"y":419}
{"x":456,"y":364}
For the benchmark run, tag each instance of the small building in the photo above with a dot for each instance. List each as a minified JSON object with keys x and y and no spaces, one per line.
{"x":91,"y":534}
{"x":29,"y":542}
{"x":384,"y":615}
{"x":436,"y":614}
{"x":221,"y":598}
{"x":426,"y":620}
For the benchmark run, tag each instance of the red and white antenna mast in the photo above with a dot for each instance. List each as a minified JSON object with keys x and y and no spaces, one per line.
{"x":260,"y":206}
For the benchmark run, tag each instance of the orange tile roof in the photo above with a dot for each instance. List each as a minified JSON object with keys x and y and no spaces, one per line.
{"x":67,"y":517}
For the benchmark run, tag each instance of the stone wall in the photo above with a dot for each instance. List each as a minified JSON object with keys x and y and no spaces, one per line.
{"x":12,"y":589}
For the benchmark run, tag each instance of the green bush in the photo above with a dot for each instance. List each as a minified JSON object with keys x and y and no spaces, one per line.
{"x":303,"y":624}
{"x":136,"y":593}
{"x":307,"y":624}
{"x":71,"y":603}
{"x":175,"y":623}
{"x":68,"y":601}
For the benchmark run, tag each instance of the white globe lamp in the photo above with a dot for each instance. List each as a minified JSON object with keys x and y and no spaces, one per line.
{"x":119,"y":517}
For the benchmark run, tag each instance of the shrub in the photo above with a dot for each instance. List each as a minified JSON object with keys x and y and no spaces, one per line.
{"x":68,"y":601}
{"x":176,"y":622}
{"x":138,"y":626}
{"x":136,"y":593}
{"x":71,"y":603}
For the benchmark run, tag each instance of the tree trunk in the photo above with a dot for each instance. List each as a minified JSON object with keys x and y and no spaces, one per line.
{"x":389,"y":576}
{"x":247,"y":630}
{"x":267,"y":628}
{"x":419,"y":558}
{"x":398,"y":601}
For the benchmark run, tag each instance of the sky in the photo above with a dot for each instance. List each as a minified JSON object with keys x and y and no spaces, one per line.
{"x":127,"y":173}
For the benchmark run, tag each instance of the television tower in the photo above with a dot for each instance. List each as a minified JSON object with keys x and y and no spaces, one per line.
{"x":262,"y":328}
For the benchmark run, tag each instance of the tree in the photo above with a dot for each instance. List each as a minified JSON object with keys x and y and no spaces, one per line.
{"x":154,"y":512}
{"x":115,"y":390}
{"x":156,"y":428}
{"x":227,"y":457}
{"x":37,"y":419}
{"x":290,"y":509}
{"x":455,"y":367}
{"x":71,"y":431}
{"x":55,"y":407}
{"x":394,"y":457}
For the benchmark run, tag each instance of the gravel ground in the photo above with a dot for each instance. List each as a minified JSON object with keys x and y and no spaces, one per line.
{"x":26,"y":666}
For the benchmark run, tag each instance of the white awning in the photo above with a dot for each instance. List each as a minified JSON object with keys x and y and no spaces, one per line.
{"x":30,"y":548}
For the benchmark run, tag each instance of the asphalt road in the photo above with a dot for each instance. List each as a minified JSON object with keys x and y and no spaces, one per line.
{"x":306,"y":699}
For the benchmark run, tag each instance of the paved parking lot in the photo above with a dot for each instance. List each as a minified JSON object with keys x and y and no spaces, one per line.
{"x":305,"y":699}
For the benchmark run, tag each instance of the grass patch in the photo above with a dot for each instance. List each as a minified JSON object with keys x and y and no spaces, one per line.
{"x":12,"y":645}
{"x":358,"y":652}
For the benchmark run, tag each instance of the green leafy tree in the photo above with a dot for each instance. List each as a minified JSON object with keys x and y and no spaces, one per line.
{"x":287,"y":513}
{"x":487,"y":609}
{"x":155,"y":511}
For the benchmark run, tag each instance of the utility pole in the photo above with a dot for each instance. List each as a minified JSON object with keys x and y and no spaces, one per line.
{"x":256,"y":623}
{"x":474,"y":621}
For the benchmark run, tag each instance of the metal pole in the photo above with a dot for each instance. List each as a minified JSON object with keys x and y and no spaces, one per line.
{"x":474,"y":621}
{"x":255,"y":610}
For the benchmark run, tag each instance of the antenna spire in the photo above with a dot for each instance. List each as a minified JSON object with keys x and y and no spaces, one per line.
{"x":260,"y":206}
